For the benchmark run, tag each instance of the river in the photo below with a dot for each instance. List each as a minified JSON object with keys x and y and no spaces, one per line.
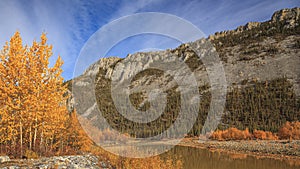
{"x":196,"y":158}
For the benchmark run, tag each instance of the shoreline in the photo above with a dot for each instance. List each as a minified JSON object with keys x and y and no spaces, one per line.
{"x":283,"y":150}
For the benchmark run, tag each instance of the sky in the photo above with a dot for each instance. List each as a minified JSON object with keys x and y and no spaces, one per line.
{"x":70,"y":23}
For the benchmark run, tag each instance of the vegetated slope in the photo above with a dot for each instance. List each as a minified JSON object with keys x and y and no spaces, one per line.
{"x":261,"y":63}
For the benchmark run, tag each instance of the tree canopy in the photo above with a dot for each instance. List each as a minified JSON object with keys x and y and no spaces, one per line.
{"x":33,"y":112}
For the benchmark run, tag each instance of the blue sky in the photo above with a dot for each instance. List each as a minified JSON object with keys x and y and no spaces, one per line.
{"x":70,"y":23}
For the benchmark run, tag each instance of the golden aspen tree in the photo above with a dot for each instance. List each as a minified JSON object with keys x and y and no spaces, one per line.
{"x":13,"y":80}
{"x":33,"y":109}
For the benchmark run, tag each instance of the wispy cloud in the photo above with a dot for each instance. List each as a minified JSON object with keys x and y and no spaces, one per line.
{"x":69,"y":24}
{"x":131,"y":7}
{"x":35,"y":17}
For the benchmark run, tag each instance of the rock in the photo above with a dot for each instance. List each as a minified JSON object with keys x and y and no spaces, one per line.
{"x":289,"y":16}
{"x":4,"y":159}
{"x":252,"y":25}
{"x":286,"y":15}
{"x":62,"y":162}
{"x":103,"y":63}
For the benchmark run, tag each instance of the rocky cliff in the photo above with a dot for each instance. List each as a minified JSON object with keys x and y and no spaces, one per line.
{"x":289,"y":17}
{"x":259,"y":60}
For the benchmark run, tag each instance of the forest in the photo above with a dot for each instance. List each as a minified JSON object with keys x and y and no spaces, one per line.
{"x":265,"y":106}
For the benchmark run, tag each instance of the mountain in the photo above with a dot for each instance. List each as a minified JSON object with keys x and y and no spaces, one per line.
{"x":261,"y":65}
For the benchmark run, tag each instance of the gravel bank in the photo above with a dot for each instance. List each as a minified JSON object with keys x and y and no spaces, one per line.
{"x":278,"y":148}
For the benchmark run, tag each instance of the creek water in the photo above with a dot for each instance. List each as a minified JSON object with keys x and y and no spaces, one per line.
{"x":196,"y":158}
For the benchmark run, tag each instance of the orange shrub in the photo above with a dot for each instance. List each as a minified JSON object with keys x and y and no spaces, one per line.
{"x":264,"y":135}
{"x":290,"y":130}
{"x":246,"y":134}
{"x":231,"y":134}
{"x":217,"y":135}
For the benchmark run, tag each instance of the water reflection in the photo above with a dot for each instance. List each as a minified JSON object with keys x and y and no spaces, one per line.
{"x":194,"y":158}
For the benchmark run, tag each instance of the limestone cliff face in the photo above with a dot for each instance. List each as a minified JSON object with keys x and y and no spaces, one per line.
{"x":286,"y":15}
{"x":290,"y":17}
{"x":104,"y":63}
{"x":248,"y":26}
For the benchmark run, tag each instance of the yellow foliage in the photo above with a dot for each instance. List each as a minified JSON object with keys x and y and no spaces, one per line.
{"x":231,"y":134}
{"x":32,"y":101}
{"x":31,"y":154}
{"x":236,"y":134}
{"x":290,"y":130}
{"x":264,"y":135}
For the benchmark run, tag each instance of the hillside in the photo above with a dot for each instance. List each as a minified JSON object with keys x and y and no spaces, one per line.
{"x":261,"y":63}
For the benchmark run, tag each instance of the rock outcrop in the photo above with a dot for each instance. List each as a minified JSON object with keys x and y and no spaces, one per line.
{"x":104,"y":63}
{"x":74,"y":162}
{"x":286,"y":15}
{"x":4,"y":159}
{"x":289,"y":17}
